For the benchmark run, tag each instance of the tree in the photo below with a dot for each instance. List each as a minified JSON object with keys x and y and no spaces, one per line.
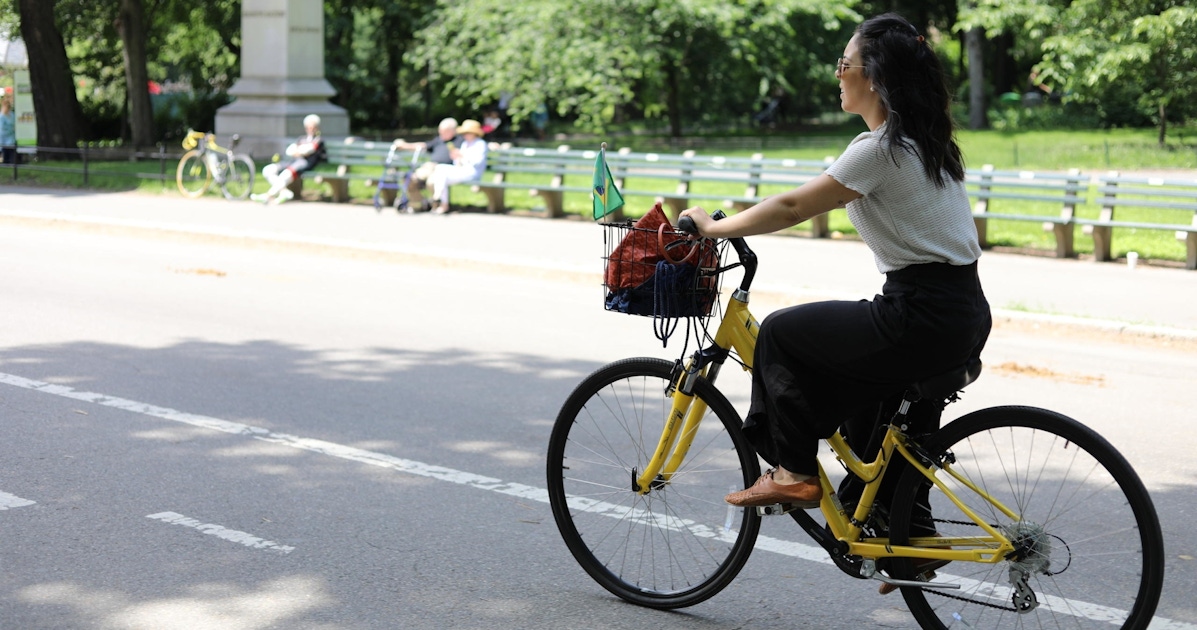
{"x":365,"y":41}
{"x":598,"y":62}
{"x":1106,"y":47}
{"x":982,"y":21}
{"x":59,"y":117}
{"x":131,"y":25}
{"x":974,"y":41}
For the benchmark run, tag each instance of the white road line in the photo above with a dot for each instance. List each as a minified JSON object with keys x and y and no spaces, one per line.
{"x":12,"y":501}
{"x":233,"y":535}
{"x":532,"y":493}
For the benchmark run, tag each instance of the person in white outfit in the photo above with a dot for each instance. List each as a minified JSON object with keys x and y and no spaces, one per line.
{"x":469,"y":161}
{"x":304,"y":154}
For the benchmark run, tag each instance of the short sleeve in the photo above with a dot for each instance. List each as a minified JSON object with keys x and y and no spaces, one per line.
{"x":862,"y":166}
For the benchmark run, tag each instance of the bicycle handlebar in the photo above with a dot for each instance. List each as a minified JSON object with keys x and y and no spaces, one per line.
{"x":747,"y":256}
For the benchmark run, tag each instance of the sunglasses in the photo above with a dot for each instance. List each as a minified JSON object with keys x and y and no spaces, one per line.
{"x":842,"y":64}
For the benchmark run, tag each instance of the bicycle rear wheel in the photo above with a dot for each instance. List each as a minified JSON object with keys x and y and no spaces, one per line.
{"x":1089,"y":541}
{"x":239,"y":180}
{"x":193,"y":176}
{"x":680,"y":543}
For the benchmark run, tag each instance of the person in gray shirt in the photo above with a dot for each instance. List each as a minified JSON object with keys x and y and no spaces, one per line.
{"x":824,"y":366}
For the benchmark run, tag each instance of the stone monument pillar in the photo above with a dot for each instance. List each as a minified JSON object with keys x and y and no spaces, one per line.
{"x":282,"y":78}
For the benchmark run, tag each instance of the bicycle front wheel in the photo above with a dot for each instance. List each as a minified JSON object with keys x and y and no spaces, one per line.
{"x":239,"y":180}
{"x":193,"y":176}
{"x":1089,"y":552}
{"x":678,"y":544}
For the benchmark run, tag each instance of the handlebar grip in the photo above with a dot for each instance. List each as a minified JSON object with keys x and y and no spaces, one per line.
{"x":686,"y":224}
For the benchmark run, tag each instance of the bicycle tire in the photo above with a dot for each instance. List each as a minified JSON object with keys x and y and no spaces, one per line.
{"x":678,"y":545}
{"x":192,"y":175}
{"x":239,"y":180}
{"x":1094,"y":551}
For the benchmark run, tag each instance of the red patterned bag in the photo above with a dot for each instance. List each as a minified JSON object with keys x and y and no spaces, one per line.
{"x":635,"y":259}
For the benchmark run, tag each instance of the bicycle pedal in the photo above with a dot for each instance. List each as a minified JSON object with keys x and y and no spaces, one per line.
{"x":777,"y":509}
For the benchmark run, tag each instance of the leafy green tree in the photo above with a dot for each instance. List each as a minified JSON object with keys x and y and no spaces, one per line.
{"x":1145,"y":47}
{"x":602,"y":62}
{"x":198,"y":43}
{"x":365,"y":41}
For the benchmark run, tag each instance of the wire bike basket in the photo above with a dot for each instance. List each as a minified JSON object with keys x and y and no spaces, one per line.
{"x":654,"y":271}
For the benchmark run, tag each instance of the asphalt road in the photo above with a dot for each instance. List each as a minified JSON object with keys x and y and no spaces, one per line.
{"x":196,"y":434}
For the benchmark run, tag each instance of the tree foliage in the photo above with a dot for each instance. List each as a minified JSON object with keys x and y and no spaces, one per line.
{"x":604,"y":62}
{"x":1138,"y":54}
{"x":678,"y":66}
{"x":365,"y":41}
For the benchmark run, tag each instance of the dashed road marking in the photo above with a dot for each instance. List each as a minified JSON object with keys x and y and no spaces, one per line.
{"x":9,"y":501}
{"x":241,"y":538}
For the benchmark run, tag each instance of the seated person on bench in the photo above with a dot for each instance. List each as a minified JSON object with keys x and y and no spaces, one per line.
{"x":437,"y":150}
{"x":303,"y":155}
{"x":469,"y":161}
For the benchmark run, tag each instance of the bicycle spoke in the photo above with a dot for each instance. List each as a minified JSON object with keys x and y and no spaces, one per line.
{"x":668,"y":545}
{"x":1086,"y":538}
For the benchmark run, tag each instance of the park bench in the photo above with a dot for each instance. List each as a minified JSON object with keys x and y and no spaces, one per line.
{"x":551,"y":166}
{"x":759,"y":177}
{"x":987,"y":185}
{"x":1152,"y":203}
{"x":351,"y":159}
{"x":635,"y":174}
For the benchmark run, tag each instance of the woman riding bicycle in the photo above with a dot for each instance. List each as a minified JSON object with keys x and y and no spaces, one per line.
{"x":822,"y":365}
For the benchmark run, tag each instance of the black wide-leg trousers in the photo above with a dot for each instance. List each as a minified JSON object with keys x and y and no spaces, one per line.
{"x":824,"y":365}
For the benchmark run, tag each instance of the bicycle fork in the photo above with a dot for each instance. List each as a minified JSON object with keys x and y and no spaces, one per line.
{"x":681,"y":427}
{"x":737,"y":330}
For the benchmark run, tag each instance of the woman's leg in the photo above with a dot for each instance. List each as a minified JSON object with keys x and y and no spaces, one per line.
{"x":805,"y":378}
{"x":445,"y":176}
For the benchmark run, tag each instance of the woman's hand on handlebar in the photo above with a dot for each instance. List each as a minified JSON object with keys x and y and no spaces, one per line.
{"x":702,"y":221}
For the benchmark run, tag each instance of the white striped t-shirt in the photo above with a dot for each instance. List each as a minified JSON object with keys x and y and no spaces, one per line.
{"x":903,"y":217}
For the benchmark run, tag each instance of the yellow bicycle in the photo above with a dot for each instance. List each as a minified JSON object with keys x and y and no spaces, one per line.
{"x":206,"y":162}
{"x":1043,"y":522}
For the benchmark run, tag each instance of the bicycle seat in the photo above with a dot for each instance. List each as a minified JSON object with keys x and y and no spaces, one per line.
{"x":944,"y":385}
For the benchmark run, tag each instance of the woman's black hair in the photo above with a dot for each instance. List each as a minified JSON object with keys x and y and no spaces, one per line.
{"x":909,"y":78}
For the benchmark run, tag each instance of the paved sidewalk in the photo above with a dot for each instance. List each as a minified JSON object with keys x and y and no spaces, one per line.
{"x":1105,"y":297}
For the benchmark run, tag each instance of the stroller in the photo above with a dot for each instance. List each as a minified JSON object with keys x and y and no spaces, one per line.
{"x":390,"y":181}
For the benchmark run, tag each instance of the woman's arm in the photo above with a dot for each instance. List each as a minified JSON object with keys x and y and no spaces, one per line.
{"x":819,"y":195}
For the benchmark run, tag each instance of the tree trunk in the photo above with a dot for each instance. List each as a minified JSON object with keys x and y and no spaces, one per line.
{"x":977,"y":116}
{"x":673,"y":102}
{"x":1003,"y":76}
{"x":1163,"y":125}
{"x":59,"y":117}
{"x":131,"y":25}
{"x":398,"y":30}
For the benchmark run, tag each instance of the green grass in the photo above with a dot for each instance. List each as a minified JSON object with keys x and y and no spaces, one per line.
{"x":1090,"y":151}
{"x":149,"y":176}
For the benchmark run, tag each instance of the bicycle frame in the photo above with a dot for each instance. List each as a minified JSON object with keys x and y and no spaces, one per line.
{"x":193,"y":140}
{"x":990,"y":549}
{"x":738,"y":331}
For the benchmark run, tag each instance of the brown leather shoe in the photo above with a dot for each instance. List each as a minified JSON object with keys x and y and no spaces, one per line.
{"x":804,"y":494}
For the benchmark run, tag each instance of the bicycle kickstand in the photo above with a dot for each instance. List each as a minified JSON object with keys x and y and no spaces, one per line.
{"x":868,"y":570}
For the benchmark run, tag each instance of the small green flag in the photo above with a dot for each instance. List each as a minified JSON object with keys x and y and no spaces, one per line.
{"x":606,"y":196}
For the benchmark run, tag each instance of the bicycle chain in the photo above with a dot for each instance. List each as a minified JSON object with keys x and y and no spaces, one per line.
{"x":936,"y":591}
{"x":971,"y":601}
